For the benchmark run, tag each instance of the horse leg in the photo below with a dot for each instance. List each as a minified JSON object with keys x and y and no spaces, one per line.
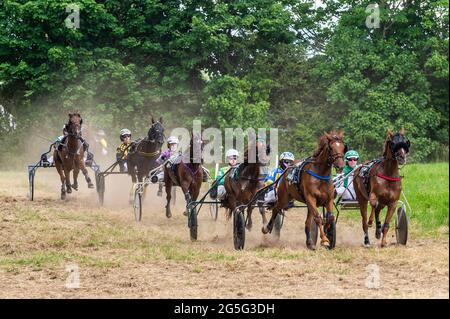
{"x":363,"y":210}
{"x":374,"y":203}
{"x":86,"y":174}
{"x":187,"y":196}
{"x":68,"y":184}
{"x":76,"y":171}
{"x":168,"y":197}
{"x":378,"y":223}
{"x":268,"y":228}
{"x":314,"y":213}
{"x":249,"y":218}
{"x":60,"y":170}
{"x":389,"y":214}
{"x":308,"y":224}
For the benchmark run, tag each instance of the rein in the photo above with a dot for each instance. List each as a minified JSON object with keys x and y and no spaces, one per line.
{"x":321,"y":177}
{"x":388,"y":178}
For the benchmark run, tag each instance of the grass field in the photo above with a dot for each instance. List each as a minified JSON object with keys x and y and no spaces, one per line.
{"x":118,"y":257}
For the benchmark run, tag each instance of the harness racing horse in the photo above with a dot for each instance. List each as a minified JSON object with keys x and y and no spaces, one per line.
{"x":144,"y":153}
{"x":382,"y":185}
{"x":314,"y":186}
{"x":70,"y":156}
{"x":241,"y":186}
{"x":188,"y":174}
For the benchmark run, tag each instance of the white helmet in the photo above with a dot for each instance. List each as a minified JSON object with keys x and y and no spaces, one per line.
{"x":125,"y":131}
{"x":173,"y":140}
{"x":231,"y":152}
{"x":287,"y":156}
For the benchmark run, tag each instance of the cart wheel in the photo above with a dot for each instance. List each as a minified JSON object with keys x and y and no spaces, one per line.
{"x":31,"y":185}
{"x":278,"y":223}
{"x":214,"y":210}
{"x":101,"y":188}
{"x":192,"y":223}
{"x":238,"y":229}
{"x":314,"y":232}
{"x":137,"y":206}
{"x":401,"y":226}
{"x":331,"y":234}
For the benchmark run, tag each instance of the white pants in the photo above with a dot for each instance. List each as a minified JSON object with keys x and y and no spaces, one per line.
{"x":347,"y":193}
{"x":270,"y":197}
{"x":221,"y":192}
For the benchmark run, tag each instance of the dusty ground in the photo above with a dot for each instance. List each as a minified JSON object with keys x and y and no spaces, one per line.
{"x":118,"y":258}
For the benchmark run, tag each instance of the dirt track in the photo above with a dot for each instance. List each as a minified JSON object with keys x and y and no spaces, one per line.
{"x":155,"y":259}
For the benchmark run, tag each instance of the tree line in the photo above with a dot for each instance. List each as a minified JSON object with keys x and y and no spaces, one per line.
{"x":298,"y":65}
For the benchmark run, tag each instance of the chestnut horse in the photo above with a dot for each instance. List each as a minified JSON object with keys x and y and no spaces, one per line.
{"x":188,"y":175}
{"x":241,"y":189}
{"x":70,"y":156}
{"x":384,"y":185}
{"x":314,"y":187}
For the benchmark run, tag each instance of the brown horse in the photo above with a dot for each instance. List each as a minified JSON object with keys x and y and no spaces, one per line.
{"x":383,"y":186}
{"x":70,"y":156}
{"x":188,"y":174}
{"x":314,"y":187}
{"x":249,"y":179}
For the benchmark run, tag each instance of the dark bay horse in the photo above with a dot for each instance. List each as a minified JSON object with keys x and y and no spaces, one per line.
{"x":383,"y":187}
{"x":144,"y":153}
{"x":70,"y":156}
{"x":314,"y":187}
{"x":249,"y":179}
{"x":188,"y":174}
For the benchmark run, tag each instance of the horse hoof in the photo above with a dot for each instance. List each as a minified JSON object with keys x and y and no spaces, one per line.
{"x":383,"y":245}
{"x":378,"y":233}
{"x":168,"y":214}
{"x":185,"y":213}
{"x":63,"y":196}
{"x":90,"y":185}
{"x":264,"y":230}
{"x":69,"y":191}
{"x":75,"y":187}
{"x":310,"y":246}
{"x":325,"y":243}
{"x":249,"y":227}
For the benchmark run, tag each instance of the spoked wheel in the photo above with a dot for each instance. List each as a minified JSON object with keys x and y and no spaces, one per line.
{"x":239,"y":228}
{"x":100,"y":181}
{"x":31,"y":185}
{"x":278,"y":223}
{"x":192,"y":222}
{"x":401,"y":226}
{"x":137,"y":205}
{"x":214,"y":210}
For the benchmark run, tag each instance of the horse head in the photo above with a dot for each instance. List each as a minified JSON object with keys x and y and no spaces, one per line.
{"x":73,"y":127}
{"x":397,"y":146}
{"x":333,"y":144}
{"x":156,"y":131}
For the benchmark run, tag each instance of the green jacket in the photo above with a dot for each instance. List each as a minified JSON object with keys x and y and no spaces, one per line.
{"x":222,"y":172}
{"x":347,"y":169}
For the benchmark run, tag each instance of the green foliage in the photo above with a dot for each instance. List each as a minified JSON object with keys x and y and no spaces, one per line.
{"x":288,"y":64}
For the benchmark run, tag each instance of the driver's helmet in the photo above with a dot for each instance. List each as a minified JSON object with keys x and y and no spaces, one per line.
{"x":172,"y":140}
{"x":286,"y":158}
{"x":231,"y":153}
{"x":124,"y":133}
{"x":351,"y":154}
